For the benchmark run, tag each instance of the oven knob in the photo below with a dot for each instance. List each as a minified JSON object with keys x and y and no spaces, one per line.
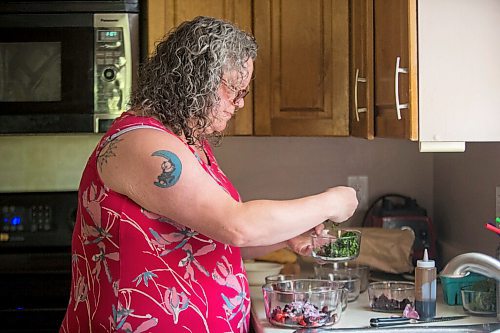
{"x":109,"y":74}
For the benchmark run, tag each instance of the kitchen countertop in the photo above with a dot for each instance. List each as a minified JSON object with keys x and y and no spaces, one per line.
{"x":358,"y":314}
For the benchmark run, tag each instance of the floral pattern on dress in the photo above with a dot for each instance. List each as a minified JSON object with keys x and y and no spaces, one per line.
{"x":135,"y":271}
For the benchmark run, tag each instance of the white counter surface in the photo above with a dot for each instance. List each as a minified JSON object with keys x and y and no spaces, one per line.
{"x":358,"y":315}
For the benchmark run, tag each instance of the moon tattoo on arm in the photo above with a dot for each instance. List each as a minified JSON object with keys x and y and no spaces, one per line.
{"x":171,"y":169}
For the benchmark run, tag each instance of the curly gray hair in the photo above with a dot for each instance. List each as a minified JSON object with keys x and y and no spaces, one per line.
{"x":178,"y":84}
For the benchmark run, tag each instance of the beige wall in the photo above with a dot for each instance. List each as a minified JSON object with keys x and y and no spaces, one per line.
{"x":260,"y":167}
{"x":464,"y":198}
{"x":288,"y":167}
{"x":458,"y":189}
{"x":43,"y":162}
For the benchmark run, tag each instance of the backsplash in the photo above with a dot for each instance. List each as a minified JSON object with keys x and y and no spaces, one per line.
{"x":457,"y":189}
{"x":260,"y":167}
{"x":43,"y":162}
{"x":290,"y":167}
{"x":464,"y":198}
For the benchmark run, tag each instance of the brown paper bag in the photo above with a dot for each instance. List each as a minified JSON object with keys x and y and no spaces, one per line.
{"x":386,"y":250}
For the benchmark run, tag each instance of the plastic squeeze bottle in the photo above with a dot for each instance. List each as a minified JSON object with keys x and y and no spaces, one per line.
{"x":425,"y":287}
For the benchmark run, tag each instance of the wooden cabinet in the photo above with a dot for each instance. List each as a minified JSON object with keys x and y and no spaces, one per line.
{"x":302,"y":68}
{"x":396,"y":95}
{"x":362,"y":120}
{"x":448,"y":94}
{"x":384,"y":100}
{"x":380,"y":40}
{"x":163,"y":15}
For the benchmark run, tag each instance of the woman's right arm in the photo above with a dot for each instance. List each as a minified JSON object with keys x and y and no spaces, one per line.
{"x":135,"y":167}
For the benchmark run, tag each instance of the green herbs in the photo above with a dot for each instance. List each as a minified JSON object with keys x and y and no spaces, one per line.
{"x":344,"y":247}
{"x":481,"y":296}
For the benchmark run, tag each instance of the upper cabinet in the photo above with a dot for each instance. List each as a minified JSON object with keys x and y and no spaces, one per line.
{"x":361,"y":69}
{"x":396,"y":93}
{"x":435,"y":71}
{"x":302,"y":70}
{"x":459,"y":70}
{"x":301,"y":84}
{"x":422,"y":70}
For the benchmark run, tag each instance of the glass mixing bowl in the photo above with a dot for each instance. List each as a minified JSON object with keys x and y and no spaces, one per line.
{"x":345,"y":269}
{"x":303,"y":303}
{"x":339,"y":246}
{"x":391,"y":296}
{"x":351,"y":283}
{"x":479,"y":302}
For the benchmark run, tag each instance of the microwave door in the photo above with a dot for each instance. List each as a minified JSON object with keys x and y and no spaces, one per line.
{"x":46,"y":73}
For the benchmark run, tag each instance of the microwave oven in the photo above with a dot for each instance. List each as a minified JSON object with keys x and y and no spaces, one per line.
{"x":66,"y":66}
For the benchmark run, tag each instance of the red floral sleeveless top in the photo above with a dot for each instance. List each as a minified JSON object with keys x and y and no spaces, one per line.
{"x":135,"y":271}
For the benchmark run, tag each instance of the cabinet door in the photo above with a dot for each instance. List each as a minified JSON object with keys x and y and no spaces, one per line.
{"x":361,"y":115}
{"x":396,"y":95}
{"x":163,"y":15}
{"x":301,"y":84}
{"x":459,"y":70}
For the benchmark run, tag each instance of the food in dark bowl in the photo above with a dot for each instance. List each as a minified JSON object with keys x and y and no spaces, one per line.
{"x":391,"y":296}
{"x":303,"y":303}
{"x":342,"y":245}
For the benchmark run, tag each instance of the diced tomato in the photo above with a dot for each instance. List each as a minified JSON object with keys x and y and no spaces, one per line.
{"x":280,"y":317}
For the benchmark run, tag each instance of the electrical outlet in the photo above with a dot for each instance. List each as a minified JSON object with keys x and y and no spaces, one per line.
{"x":360,"y":184}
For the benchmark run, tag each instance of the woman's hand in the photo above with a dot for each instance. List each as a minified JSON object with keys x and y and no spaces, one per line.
{"x":343,"y":203}
{"x":301,"y":244}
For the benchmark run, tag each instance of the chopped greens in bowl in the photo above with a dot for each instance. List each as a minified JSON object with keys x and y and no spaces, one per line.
{"x":480,"y":298}
{"x":343,"y":246}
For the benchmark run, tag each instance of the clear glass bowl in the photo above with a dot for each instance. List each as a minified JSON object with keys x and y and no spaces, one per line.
{"x":279,"y":278}
{"x":341,"y":245}
{"x":284,"y":277}
{"x":479,"y":303}
{"x":391,"y":296}
{"x":351,"y":283}
{"x":363,"y":271}
{"x":346,"y":269}
{"x":303,"y":303}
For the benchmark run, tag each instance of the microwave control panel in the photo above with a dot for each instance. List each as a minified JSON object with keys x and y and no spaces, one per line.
{"x":112,"y":82}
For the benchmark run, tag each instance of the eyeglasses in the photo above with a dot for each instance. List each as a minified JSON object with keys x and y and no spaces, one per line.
{"x":240,"y":94}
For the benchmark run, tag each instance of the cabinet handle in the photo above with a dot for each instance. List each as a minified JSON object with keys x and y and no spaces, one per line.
{"x":356,"y":109}
{"x":396,"y":87}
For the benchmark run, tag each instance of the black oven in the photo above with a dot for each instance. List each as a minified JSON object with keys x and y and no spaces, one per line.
{"x":66,"y":66}
{"x":35,"y":259}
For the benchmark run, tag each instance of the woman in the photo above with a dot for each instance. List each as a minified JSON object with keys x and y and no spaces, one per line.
{"x":160,"y":231}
